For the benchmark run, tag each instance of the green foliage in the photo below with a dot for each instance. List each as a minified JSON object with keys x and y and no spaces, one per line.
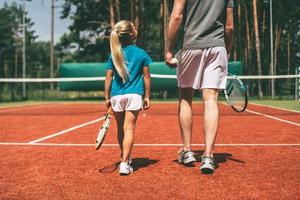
{"x":90,"y":16}
{"x":286,"y":29}
{"x":11,"y":44}
{"x":94,"y":16}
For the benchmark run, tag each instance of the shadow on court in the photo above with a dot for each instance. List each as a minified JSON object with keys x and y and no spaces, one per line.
{"x":109,"y":169}
{"x":137,"y":163}
{"x":218,"y":157}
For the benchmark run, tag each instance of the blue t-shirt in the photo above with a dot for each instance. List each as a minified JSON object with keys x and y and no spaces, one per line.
{"x":137,"y":58}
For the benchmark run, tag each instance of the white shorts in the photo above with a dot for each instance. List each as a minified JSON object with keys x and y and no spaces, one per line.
{"x":202,"y":68}
{"x":126,"y":102}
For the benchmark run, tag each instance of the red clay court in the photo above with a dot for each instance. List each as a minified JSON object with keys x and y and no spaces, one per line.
{"x":47,"y":152}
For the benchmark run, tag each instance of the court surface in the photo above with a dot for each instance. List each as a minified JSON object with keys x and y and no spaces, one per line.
{"x":47,"y":152}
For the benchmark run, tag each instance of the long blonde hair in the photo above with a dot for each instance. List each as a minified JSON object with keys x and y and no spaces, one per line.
{"x":122,"y":34}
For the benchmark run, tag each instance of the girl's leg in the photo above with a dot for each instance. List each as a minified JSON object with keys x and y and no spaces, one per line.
{"x":120,"y":117}
{"x":128,"y":128}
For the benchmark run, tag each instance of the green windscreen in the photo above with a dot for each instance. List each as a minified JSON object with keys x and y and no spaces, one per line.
{"x":71,"y":70}
{"x":68,"y":70}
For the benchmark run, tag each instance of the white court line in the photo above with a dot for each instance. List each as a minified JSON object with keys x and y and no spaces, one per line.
{"x":143,"y":145}
{"x":279,"y":108}
{"x":66,"y":130}
{"x":271,"y":117}
{"x":26,"y":107}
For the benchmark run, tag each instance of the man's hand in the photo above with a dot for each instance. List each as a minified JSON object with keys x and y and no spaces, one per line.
{"x":170,"y":61}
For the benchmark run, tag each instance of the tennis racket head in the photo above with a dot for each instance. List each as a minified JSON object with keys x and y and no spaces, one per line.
{"x":236,"y":94}
{"x":103,"y":130}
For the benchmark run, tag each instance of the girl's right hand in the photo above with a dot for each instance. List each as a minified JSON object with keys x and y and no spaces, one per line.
{"x":146,"y":104}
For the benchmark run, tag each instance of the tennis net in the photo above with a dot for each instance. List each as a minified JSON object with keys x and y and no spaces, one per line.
{"x":281,"y":87}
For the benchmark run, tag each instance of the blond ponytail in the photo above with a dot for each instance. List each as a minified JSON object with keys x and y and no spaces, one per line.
{"x":118,"y":56}
{"x":123,"y":33}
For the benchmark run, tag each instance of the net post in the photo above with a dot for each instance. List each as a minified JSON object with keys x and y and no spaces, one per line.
{"x":297,"y":85}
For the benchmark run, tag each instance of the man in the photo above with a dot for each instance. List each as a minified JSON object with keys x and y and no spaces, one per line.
{"x":202,"y":65}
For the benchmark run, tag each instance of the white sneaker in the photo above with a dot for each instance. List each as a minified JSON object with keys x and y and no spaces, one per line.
{"x":186,"y":157}
{"x":125,"y":168}
{"x":129,"y":160}
{"x":129,"y":163}
{"x":207,"y":165}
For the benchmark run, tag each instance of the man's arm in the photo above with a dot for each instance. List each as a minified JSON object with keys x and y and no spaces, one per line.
{"x":174,"y":25}
{"x":229,"y":29}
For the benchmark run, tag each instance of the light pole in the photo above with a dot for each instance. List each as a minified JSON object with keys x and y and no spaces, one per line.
{"x":271,"y":50}
{"x":24,"y":49}
{"x":52,"y":43}
{"x":165,"y":15}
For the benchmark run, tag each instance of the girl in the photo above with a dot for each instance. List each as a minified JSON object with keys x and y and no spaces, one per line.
{"x":127,"y":79}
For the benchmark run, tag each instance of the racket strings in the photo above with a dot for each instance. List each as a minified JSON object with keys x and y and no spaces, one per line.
{"x":237,"y":95}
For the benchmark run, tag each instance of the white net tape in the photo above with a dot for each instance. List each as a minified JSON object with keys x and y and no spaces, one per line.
{"x":163,"y":76}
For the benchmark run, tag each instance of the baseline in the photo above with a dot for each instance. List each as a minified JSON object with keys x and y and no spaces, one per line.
{"x":148,"y":145}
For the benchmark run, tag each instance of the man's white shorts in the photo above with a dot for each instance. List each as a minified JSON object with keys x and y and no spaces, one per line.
{"x":203,"y":68}
{"x":126,"y":102}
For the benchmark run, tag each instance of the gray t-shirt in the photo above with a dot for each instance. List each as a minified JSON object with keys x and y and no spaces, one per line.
{"x":204,"y":23}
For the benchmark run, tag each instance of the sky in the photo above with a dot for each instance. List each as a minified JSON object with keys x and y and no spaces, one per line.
{"x":40,"y":13}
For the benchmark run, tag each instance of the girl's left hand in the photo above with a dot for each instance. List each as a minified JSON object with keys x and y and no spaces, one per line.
{"x":146,"y":104}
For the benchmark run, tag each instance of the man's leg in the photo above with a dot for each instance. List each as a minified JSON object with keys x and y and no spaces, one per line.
{"x":185,"y":116}
{"x":211,"y":119}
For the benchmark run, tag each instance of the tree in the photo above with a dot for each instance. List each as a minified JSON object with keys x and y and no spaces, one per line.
{"x":10,"y":38}
{"x":257,"y":45}
{"x":98,"y":17}
{"x":91,"y":19}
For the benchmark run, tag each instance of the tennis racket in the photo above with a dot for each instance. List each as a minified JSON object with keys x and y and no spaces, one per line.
{"x":236,"y":93}
{"x":104,"y":128}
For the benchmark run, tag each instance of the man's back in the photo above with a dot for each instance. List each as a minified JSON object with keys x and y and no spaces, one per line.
{"x":204,"y":23}
{"x":202,"y":66}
